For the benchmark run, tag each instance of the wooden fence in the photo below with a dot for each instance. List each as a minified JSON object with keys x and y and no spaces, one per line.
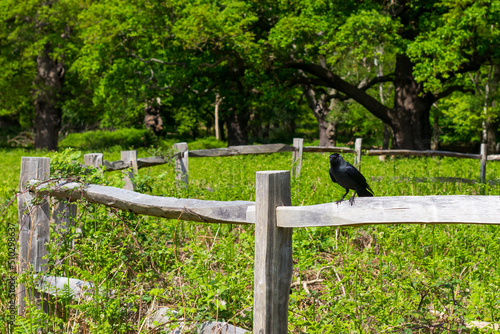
{"x":130,"y":161}
{"x":272,"y":214}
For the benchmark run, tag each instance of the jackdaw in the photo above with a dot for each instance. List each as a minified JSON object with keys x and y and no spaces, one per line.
{"x":348,"y":177}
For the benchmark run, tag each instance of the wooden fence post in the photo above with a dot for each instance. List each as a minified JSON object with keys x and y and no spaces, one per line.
{"x":181,"y":163}
{"x":34,"y":225}
{"x":484,"y":156}
{"x":298,"y":143}
{"x":94,"y":159}
{"x":273,"y":254}
{"x":129,"y":157}
{"x":357,"y":149}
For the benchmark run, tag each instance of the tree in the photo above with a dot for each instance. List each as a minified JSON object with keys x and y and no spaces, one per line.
{"x":343,"y":34}
{"x":37,"y":37}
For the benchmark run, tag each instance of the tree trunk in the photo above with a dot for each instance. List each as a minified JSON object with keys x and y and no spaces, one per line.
{"x":387,"y":137}
{"x":318,"y":104}
{"x":332,"y":134}
{"x":237,"y":127}
{"x":152,"y":117}
{"x":409,"y":118}
{"x":48,"y":86}
{"x":493,"y":123}
{"x":435,"y":132}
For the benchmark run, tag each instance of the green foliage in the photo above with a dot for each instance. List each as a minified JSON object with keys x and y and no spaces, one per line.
{"x":118,"y":55}
{"x":99,"y":139}
{"x":447,"y":41}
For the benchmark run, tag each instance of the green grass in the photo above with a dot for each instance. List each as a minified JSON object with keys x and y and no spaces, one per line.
{"x":384,"y":278}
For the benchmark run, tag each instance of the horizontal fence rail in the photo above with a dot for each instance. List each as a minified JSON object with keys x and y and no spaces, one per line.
{"x":157,"y":206}
{"x":395,"y":210}
{"x":453,"y":209}
{"x":241,"y":150}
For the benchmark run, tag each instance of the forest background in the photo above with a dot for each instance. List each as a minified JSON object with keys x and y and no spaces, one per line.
{"x":401,"y":74}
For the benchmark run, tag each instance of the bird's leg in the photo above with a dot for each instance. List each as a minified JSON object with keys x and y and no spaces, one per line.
{"x":340,"y":200}
{"x":351,"y":200}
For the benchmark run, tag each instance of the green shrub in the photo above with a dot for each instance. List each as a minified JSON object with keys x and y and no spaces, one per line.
{"x":100,"y":139}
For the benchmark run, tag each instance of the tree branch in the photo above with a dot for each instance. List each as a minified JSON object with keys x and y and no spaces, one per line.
{"x":377,"y":80}
{"x":154,"y":60}
{"x":336,"y":82}
{"x":448,"y":91}
{"x":216,"y":63}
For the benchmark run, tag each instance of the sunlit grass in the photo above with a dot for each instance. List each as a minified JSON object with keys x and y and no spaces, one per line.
{"x":384,"y":278}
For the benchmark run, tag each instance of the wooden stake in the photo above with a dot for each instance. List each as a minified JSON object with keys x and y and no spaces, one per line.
{"x":181,"y":164}
{"x":129,"y":157}
{"x":298,"y":143}
{"x":484,"y":157}
{"x":94,"y":159}
{"x":273,"y":254}
{"x":357,"y":149}
{"x":34,"y":225}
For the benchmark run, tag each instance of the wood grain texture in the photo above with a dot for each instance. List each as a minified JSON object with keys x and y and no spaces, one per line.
{"x":484,"y":157}
{"x":427,"y":153}
{"x":357,"y":152}
{"x":141,"y":163}
{"x":241,"y":150}
{"x":458,"y":209}
{"x":273,"y":254}
{"x":112,"y":166}
{"x":322,"y":149}
{"x":93,"y":159}
{"x":157,"y":206}
{"x":298,"y":144}
{"x":494,"y":157}
{"x":34,"y":224}
{"x":130,"y":158}
{"x":151,"y":161}
{"x":181,"y":164}
{"x":59,"y":286}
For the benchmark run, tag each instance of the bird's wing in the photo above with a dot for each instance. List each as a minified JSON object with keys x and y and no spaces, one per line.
{"x":357,"y":176}
{"x":331,"y":175}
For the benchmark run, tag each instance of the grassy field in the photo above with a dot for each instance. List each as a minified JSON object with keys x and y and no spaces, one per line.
{"x":375,"y":279}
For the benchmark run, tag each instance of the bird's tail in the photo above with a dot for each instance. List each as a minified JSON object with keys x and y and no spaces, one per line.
{"x":365,"y":192}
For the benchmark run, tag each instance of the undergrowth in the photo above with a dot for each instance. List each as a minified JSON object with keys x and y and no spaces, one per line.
{"x":371,"y":279}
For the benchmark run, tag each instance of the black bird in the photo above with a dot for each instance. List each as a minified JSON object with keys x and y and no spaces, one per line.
{"x":348,"y":177}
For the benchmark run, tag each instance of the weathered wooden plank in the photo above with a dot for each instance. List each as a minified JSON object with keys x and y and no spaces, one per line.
{"x":115,"y":165}
{"x":494,"y":157}
{"x":211,"y":327}
{"x":157,"y":206}
{"x":484,"y":153}
{"x":164,"y":315}
{"x":93,"y":159}
{"x":130,"y":158}
{"x":62,"y":286}
{"x":151,"y":161}
{"x":241,"y":150}
{"x":357,"y":149}
{"x":298,"y":144}
{"x":141,"y":163}
{"x":458,"y":209}
{"x":427,"y":153}
{"x":322,"y":149}
{"x":273,"y":254}
{"x":182,"y":164}
{"x":34,"y":224}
